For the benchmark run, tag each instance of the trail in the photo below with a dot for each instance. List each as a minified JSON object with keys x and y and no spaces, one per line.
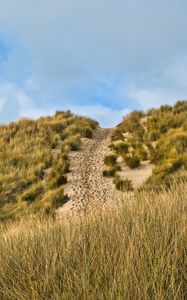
{"x":86,"y":187}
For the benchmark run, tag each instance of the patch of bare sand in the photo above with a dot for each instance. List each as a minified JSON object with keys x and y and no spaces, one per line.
{"x":139,"y":175}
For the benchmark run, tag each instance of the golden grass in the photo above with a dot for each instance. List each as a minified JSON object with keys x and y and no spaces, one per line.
{"x":29,"y":149}
{"x":134,"y":251}
{"x":160,"y":135}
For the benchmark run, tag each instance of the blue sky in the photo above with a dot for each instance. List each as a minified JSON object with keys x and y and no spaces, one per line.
{"x":99,"y":58}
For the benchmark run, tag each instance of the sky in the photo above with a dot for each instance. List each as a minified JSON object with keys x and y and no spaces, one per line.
{"x":100,"y":58}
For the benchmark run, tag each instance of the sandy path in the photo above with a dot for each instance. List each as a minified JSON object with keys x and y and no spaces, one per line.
{"x":86,"y":186}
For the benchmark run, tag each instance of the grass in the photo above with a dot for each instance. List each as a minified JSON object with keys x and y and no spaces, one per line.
{"x":28,"y":149}
{"x":110,"y":160}
{"x":111,"y":171}
{"x":132,"y":162}
{"x":160,"y":135}
{"x":57,"y":181}
{"x":134,"y":251}
{"x":121,"y":148}
{"x":123,"y":185}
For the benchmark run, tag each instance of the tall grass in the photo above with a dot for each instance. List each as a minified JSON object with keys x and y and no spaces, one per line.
{"x":134,"y":251}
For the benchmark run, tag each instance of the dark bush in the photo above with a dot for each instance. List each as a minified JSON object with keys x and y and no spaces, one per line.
{"x":110,"y":160}
{"x":123,"y":185}
{"x":132,"y":161}
{"x":87,"y":133}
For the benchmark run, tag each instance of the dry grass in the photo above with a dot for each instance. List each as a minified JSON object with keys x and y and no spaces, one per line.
{"x":135,"y":251}
{"x":160,"y":136}
{"x":34,"y":160}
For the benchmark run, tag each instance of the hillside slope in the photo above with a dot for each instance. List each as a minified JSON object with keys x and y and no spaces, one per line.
{"x":34,"y":161}
{"x":150,"y":148}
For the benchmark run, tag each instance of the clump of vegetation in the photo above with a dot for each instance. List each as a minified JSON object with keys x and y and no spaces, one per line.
{"x":141,"y":256}
{"x":123,"y":185}
{"x":87,"y":133}
{"x":52,"y":200}
{"x":121,"y":148}
{"x":57,"y":181}
{"x":117,"y":135}
{"x":110,"y":172}
{"x":72,"y":143}
{"x":132,"y":161}
{"x":110,"y":160}
{"x":33,"y":193}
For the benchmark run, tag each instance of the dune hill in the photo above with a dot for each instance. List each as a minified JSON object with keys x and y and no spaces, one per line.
{"x":149,"y":150}
{"x":34,"y":161}
{"x":67,"y":163}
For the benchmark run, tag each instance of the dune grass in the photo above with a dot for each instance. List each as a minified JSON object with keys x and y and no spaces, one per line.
{"x":134,"y":251}
{"x":160,"y":136}
{"x":34,"y":160}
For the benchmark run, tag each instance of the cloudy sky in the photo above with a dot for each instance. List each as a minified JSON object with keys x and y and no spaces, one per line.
{"x":99,"y":58}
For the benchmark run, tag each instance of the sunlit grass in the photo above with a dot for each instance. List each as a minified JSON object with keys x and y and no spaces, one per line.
{"x":34,"y":160}
{"x":136,"y":250}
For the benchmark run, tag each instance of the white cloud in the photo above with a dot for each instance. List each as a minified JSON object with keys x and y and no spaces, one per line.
{"x":148,"y":98}
{"x":105,"y":115}
{"x":2,"y":103}
{"x":72,"y":44}
{"x":27,"y":108}
{"x":177,"y":72}
{"x":15,"y":101}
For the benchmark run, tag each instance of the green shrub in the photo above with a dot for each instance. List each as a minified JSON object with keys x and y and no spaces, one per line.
{"x":123,"y":185}
{"x":110,"y":160}
{"x":132,"y":161}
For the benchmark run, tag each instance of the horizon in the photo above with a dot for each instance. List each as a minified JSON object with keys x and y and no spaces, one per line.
{"x":82,"y":115}
{"x":100,"y":60}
